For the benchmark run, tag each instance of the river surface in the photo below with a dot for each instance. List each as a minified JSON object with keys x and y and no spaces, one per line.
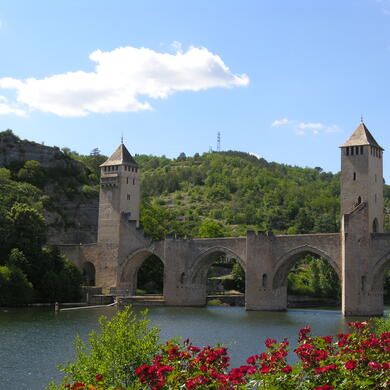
{"x":33,"y":341}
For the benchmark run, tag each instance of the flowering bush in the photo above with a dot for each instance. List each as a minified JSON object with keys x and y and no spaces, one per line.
{"x":357,"y":360}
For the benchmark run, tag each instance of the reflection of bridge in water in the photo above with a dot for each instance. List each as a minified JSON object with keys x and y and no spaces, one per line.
{"x":360,"y":254}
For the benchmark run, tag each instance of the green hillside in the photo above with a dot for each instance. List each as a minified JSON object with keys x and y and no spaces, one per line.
{"x":230,"y":192}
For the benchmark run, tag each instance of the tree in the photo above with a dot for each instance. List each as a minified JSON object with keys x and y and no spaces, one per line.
{"x":27,"y":229}
{"x":182,"y":157}
{"x":211,"y":229}
{"x":15,"y":289}
{"x":123,"y":344}
{"x":32,"y":173}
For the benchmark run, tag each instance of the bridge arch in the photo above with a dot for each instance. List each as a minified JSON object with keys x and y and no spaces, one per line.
{"x":89,"y":273}
{"x":130,"y":267}
{"x":379,"y":271}
{"x":287,"y":260}
{"x":204,"y":260}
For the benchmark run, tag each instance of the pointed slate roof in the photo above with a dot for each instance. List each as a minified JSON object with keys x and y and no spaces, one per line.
{"x":361,"y":136}
{"x":121,"y":156}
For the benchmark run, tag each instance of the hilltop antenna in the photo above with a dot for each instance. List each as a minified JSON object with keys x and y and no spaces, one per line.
{"x":218,"y":141}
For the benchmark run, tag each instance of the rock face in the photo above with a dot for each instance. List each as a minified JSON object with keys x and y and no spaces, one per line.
{"x":71,"y":215}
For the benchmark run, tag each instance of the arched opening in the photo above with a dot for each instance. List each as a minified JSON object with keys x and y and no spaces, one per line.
{"x":150,"y":277}
{"x":142,"y":274}
{"x":309,"y":280}
{"x":220,"y":277}
{"x":381,"y":279}
{"x":89,"y":273}
{"x":386,"y":285}
{"x":375,"y":226}
{"x":359,"y":200}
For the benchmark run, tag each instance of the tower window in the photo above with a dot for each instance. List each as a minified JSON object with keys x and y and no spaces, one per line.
{"x":128,"y":196}
{"x":363,"y":283}
{"x":359,"y":200}
{"x":347,"y":151}
{"x":361,"y":150}
{"x":352,"y":150}
{"x":264,"y":280}
{"x":375,"y":226}
{"x":354,"y":176}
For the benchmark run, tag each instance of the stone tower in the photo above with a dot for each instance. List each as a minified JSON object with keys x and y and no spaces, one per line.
{"x":361,"y":221}
{"x":362,"y":177}
{"x":119,"y":194}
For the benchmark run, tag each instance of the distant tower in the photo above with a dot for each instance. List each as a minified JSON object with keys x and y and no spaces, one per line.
{"x":119,"y":193}
{"x":218,"y":141}
{"x":362,"y":177}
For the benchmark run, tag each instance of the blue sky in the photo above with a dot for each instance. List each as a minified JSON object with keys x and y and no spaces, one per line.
{"x":285,"y":80}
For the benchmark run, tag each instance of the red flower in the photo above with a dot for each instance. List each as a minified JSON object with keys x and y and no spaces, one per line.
{"x":99,"y":377}
{"x":251,"y":360}
{"x":287,"y":369}
{"x":327,"y":339}
{"x":374,"y":365}
{"x":329,"y":367}
{"x":303,"y":333}
{"x":264,"y":370}
{"x":325,"y":387}
{"x":269,"y":343}
{"x":351,"y":364}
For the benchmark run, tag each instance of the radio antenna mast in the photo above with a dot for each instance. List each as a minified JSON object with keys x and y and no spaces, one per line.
{"x":218,"y":141}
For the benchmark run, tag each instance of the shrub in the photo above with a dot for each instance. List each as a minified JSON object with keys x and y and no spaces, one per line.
{"x":352,"y":361}
{"x":381,"y":325}
{"x":14,"y":287}
{"x":124,"y":343}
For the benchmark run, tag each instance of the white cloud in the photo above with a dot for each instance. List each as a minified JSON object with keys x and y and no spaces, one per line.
{"x":280,"y":122}
{"x":6,"y":109}
{"x":312,"y":126}
{"x":302,"y":128}
{"x":124,"y":80}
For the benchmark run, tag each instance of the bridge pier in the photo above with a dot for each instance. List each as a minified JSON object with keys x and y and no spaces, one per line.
{"x":260,"y":293}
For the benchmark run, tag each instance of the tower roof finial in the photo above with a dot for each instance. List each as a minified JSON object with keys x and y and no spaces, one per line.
{"x":361,"y":119}
{"x":122,"y":138}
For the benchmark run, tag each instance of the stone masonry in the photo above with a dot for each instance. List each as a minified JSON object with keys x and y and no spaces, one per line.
{"x":360,"y":253}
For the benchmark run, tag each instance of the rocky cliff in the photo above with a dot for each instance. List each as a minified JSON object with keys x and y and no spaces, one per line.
{"x":70,"y":211}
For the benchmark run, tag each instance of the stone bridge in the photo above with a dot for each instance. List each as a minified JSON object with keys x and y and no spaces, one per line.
{"x":360,"y":253}
{"x":265,"y":258}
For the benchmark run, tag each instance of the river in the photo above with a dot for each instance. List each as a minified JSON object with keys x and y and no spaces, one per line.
{"x":33,"y":341}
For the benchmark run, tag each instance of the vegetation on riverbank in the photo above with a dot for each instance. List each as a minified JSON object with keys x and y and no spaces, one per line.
{"x":125,"y":356}
{"x":28,"y":271}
